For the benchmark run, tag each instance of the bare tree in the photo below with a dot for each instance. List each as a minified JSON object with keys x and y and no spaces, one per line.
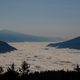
{"x":77,"y":68}
{"x":11,"y":68}
{"x":1,"y":69}
{"x":24,"y":67}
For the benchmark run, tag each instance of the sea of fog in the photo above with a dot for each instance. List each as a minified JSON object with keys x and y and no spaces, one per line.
{"x":41,"y":57}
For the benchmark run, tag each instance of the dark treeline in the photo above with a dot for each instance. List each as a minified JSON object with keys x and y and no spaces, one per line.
{"x":23,"y":73}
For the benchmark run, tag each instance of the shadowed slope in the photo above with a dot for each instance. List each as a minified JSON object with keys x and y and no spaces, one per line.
{"x":72,"y":44}
{"x":4,"y":47}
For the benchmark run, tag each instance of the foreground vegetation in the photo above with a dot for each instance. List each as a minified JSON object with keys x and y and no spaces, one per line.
{"x":23,"y":73}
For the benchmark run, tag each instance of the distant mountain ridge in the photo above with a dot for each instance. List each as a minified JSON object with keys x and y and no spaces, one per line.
{"x":12,"y":36}
{"x":72,"y":44}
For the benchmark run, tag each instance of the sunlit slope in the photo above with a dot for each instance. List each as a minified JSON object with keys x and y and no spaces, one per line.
{"x":12,"y":36}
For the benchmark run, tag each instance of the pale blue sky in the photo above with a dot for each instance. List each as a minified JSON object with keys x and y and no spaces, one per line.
{"x":41,"y":17}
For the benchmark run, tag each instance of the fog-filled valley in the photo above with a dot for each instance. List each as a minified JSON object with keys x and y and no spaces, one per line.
{"x":40,"y":57}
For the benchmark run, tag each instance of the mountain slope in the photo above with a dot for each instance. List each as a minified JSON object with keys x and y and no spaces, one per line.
{"x":12,"y":36}
{"x":4,"y":47}
{"x":72,"y":44}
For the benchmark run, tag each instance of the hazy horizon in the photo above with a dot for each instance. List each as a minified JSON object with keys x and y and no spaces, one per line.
{"x":51,"y":18}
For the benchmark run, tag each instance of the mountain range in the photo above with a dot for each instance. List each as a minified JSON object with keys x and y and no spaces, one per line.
{"x":12,"y":36}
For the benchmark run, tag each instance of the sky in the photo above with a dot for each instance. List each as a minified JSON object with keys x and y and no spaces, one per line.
{"x":52,"y":18}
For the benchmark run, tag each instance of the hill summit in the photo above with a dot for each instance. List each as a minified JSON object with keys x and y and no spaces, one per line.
{"x":72,"y":44}
{"x":5,"y":47}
